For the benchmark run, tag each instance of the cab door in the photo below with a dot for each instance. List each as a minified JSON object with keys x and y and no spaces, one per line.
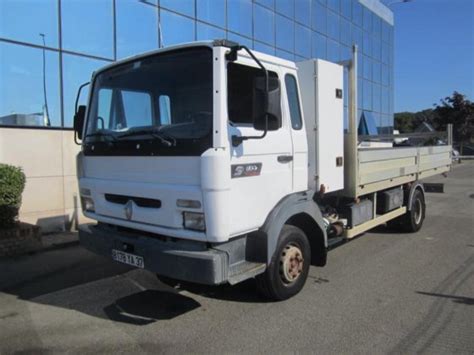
{"x":261,"y":169}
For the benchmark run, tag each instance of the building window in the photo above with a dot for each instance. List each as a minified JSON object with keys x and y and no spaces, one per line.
{"x":87,"y":27}
{"x":303,"y":41}
{"x":239,"y":16}
{"x":285,"y":33}
{"x":176,"y":29}
{"x":303,"y":12}
{"x":28,"y":21}
{"x":185,"y":7}
{"x":24,"y":99}
{"x":212,"y":12}
{"x":319,"y":17}
{"x":264,"y":29}
{"x":293,"y":101}
{"x":319,"y":46}
{"x":286,"y":7}
{"x":206,"y":32}
{"x":137,"y":27}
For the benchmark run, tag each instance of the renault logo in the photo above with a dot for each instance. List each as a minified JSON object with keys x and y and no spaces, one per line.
{"x":129,"y":209}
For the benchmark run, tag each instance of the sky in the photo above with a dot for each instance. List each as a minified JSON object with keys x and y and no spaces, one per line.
{"x":434,"y":51}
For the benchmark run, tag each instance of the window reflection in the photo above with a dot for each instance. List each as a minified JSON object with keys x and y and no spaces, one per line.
{"x":346,"y":8}
{"x":76,"y":71}
{"x":185,"y":7}
{"x":333,"y":25}
{"x":285,"y":33}
{"x":258,"y":46}
{"x":333,"y":51}
{"x":303,"y":12}
{"x":268,"y":3}
{"x":357,"y":13}
{"x":239,"y":16}
{"x":137,"y":27}
{"x":211,"y":11}
{"x":24,"y":99}
{"x":18,"y":23}
{"x":175,"y":28}
{"x":319,"y":46}
{"x":264,"y":25}
{"x":206,"y":32}
{"x":87,"y":27}
{"x":334,"y":5}
{"x":240,"y":39}
{"x":285,"y":55}
{"x":286,"y":7}
{"x":345,"y":32}
{"x":303,"y":41}
{"x":319,"y":17}
{"x":367,"y":19}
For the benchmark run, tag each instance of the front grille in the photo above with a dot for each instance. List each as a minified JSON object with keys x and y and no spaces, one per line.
{"x":139,"y":201}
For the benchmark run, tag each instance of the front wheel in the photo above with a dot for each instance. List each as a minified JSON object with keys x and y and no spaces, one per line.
{"x":289,"y":267}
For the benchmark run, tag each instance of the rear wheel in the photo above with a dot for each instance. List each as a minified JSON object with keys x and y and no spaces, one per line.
{"x":413,"y":219}
{"x":289,"y":267}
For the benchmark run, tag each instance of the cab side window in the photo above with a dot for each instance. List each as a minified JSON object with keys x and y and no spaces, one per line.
{"x":241,"y":81}
{"x":293,"y":101}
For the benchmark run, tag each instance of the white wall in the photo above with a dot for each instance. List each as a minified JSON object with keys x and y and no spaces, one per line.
{"x":47,"y":158}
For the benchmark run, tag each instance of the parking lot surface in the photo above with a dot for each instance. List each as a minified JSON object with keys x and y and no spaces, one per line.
{"x":383,"y":292}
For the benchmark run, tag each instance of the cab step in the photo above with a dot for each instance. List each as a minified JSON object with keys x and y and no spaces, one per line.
{"x":245,"y":270}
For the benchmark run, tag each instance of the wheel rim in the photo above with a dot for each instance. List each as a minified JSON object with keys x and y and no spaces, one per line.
{"x":418,"y":211}
{"x":291,"y":263}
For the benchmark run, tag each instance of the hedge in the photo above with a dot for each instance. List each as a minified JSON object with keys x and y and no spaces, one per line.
{"x":12,"y":183}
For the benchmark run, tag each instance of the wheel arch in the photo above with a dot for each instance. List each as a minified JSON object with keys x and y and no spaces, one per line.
{"x":301,"y":211}
{"x":314,"y":234}
{"x":409,"y":193}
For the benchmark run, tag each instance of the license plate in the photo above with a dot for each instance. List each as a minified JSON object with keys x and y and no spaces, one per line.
{"x":127,"y":258}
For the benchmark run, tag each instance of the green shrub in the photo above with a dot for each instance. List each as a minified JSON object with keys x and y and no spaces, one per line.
{"x":12,"y":183}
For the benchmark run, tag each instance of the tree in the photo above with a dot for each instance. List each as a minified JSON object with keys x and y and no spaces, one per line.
{"x":407,"y":122}
{"x":458,"y":111}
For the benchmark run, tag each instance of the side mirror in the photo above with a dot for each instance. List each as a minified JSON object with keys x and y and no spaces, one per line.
{"x":79,"y":120}
{"x":267,"y":105}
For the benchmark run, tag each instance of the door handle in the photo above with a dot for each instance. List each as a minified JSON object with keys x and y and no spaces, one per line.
{"x":285,"y":158}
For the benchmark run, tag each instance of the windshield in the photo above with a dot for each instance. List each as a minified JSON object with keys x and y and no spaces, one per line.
{"x":164,"y":99}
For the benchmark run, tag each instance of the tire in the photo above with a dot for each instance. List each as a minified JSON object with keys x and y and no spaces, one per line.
{"x":289,"y":267}
{"x":413,"y":219}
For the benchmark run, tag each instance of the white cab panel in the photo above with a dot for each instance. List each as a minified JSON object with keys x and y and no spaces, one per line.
{"x":323,"y":109}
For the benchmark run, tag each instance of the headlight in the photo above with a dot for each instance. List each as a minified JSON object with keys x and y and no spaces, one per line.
{"x":194,"y":221}
{"x":87,"y":204}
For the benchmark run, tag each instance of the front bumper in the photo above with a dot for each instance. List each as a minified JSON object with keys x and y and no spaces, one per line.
{"x":179,"y":259}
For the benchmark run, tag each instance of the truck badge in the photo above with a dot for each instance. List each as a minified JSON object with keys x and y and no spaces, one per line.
{"x":129,"y":210}
{"x":245,"y":170}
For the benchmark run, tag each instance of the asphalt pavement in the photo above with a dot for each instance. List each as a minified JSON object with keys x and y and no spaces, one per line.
{"x":380,"y":293}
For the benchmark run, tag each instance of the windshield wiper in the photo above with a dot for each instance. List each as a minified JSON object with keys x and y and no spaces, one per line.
{"x":164,"y":138}
{"x":101,"y":134}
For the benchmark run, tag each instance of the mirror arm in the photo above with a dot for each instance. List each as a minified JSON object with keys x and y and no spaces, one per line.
{"x":237,"y":140}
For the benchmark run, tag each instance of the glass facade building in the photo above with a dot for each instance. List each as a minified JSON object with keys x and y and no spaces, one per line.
{"x":50,"y":47}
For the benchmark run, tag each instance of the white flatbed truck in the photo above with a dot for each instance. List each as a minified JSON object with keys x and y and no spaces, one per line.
{"x":210,"y":163}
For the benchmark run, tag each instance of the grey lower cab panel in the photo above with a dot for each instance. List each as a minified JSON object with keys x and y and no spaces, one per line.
{"x":180,"y":259}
